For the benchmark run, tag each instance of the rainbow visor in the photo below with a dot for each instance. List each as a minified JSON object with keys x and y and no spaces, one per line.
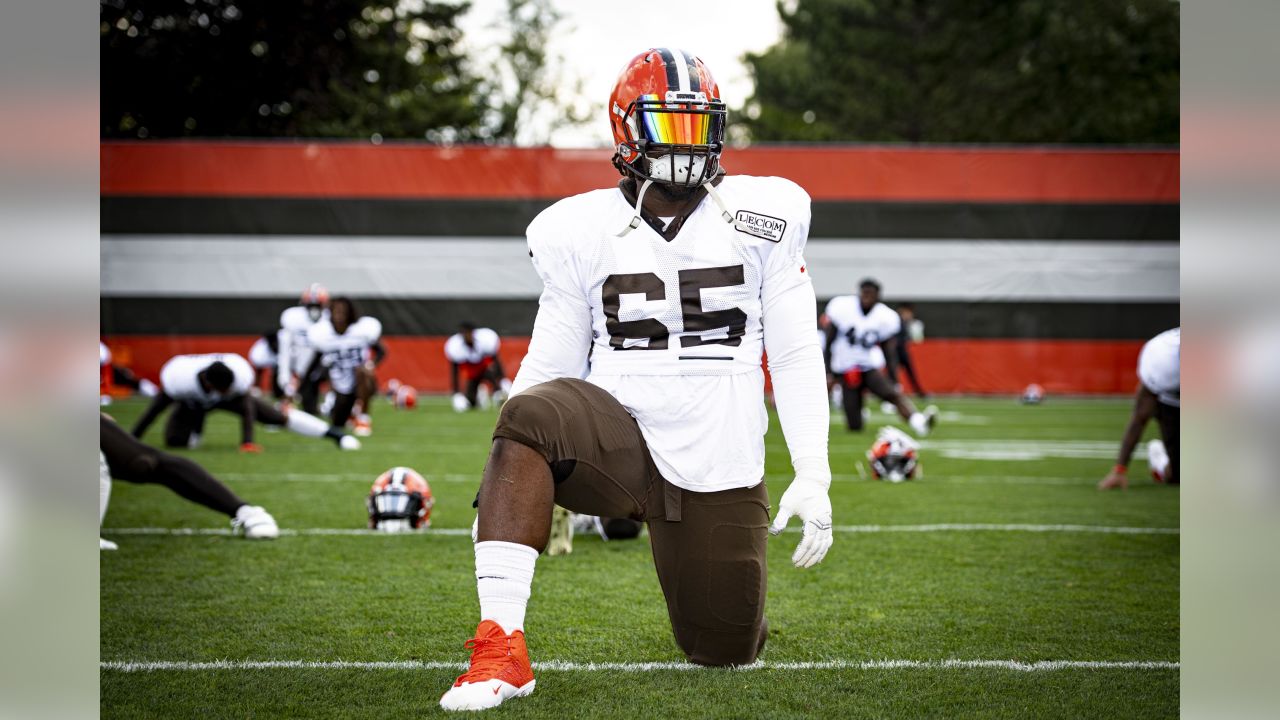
{"x":678,"y":123}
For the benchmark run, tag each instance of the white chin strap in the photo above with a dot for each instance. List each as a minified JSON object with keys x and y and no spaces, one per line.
{"x":711,"y":190}
{"x":635,"y":219}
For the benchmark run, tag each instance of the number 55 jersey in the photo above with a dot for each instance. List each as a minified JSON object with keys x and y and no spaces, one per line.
{"x":675,"y":329}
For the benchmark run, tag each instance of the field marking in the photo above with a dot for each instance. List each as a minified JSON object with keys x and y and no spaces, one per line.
{"x":570,"y":666}
{"x":933,"y":527}
{"x":475,"y":478}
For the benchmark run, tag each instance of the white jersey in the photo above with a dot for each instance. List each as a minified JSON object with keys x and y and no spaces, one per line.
{"x":1159,"y":366}
{"x":178,"y":378}
{"x":296,"y":352}
{"x":343,"y":354}
{"x":261,"y":355}
{"x":859,"y":334}
{"x":104,"y":354}
{"x":673,"y":329}
{"x":486,"y":344}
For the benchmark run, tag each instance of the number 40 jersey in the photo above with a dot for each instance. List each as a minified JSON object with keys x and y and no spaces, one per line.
{"x":675,"y":329}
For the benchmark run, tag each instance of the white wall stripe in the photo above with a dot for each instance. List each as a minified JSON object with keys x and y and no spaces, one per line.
{"x":935,"y":527}
{"x":437,"y":266}
{"x":570,"y":666}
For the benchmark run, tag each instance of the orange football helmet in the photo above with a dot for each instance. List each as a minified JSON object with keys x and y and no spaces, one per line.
{"x":315,"y":294}
{"x":893,"y":456}
{"x":400,"y":500}
{"x":667,"y":118}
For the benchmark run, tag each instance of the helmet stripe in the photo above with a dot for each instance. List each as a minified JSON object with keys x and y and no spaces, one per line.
{"x":695,"y":75}
{"x":682,"y":70}
{"x":673,"y":73}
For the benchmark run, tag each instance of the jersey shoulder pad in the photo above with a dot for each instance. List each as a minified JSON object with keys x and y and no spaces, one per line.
{"x":320,"y":333}
{"x":369,"y":328}
{"x":884,"y":315}
{"x":557,"y":228}
{"x":294,"y":318}
{"x":453,"y":347}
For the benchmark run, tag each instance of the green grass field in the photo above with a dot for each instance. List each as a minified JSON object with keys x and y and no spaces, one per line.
{"x":1028,"y":585}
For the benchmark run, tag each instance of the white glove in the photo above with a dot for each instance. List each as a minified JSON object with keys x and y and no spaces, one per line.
{"x":806,"y":497}
{"x":460,"y":403}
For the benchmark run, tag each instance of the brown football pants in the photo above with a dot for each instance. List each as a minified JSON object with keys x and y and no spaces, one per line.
{"x":708,"y":548}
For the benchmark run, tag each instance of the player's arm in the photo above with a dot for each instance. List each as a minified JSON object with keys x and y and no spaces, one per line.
{"x":830,"y":330}
{"x":890,"y":348}
{"x":248,"y":411}
{"x":1144,"y":408}
{"x":157,"y":406}
{"x":453,"y":377}
{"x":560,"y":342}
{"x":284,"y":361}
{"x":800,"y":394}
{"x":497,"y":366}
{"x":379,"y":353}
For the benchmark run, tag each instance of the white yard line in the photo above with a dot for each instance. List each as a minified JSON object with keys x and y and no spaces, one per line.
{"x":569,"y":666}
{"x":934,"y":527}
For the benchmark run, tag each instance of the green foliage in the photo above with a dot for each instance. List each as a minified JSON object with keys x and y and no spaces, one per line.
{"x":313,"y":68}
{"x":1034,"y":71}
{"x":895,"y":595}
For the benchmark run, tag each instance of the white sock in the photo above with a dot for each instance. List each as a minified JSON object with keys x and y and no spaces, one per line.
{"x":1158,"y":458}
{"x":504,"y":579}
{"x":305,"y":424}
{"x":919,"y":423}
{"x":104,"y":487}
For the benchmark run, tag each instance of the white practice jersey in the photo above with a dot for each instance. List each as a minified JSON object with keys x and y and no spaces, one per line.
{"x":859,"y":334}
{"x":343,"y":354}
{"x":673,"y":329}
{"x":1159,"y":366}
{"x":104,"y":354}
{"x":296,"y":352}
{"x":261,"y":355}
{"x":178,"y":378}
{"x":486,"y":344}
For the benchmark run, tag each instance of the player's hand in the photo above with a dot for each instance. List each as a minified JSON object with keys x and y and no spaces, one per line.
{"x":807,"y":498}
{"x":1116,"y":479}
{"x":250,"y":447}
{"x":460,"y":403}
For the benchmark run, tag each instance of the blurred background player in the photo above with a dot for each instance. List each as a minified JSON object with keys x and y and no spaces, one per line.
{"x":861,"y":332}
{"x":402,"y":396}
{"x":264,"y":357}
{"x":473,"y":357}
{"x":1158,"y":396}
{"x":111,"y":375}
{"x":221,"y":381}
{"x":911,"y":330}
{"x":298,"y":368}
{"x":125,"y":458}
{"x":350,"y":349}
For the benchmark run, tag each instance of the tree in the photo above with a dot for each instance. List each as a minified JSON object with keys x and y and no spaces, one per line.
{"x":526,"y":82}
{"x":1034,"y":71}
{"x":311,"y":68}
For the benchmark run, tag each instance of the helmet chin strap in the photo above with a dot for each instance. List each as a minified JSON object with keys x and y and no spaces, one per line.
{"x":724,"y":211}
{"x":711,"y":190}
{"x":635,"y":220}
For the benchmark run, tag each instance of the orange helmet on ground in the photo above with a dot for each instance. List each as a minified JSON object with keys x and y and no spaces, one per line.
{"x":667,"y":118}
{"x":406,"y":397}
{"x":893,"y":455}
{"x":400,"y":500}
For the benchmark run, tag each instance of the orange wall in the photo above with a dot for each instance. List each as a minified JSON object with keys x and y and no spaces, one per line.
{"x":944,"y":366}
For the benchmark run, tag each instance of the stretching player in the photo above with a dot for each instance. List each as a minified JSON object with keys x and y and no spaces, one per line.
{"x":264,"y":357}
{"x":473,"y":356}
{"x":221,"y":381}
{"x":350,"y":348}
{"x":111,"y":375}
{"x":642,"y":394}
{"x":299,"y":372}
{"x":861,"y":333}
{"x":123,"y":457}
{"x":1159,"y":396}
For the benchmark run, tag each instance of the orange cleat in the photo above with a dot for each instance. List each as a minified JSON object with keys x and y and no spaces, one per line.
{"x":500,"y":670}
